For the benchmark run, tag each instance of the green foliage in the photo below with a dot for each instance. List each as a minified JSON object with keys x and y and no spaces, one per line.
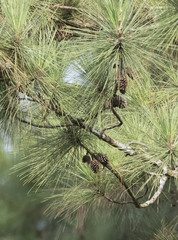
{"x":15,"y":13}
{"x":65,"y":117}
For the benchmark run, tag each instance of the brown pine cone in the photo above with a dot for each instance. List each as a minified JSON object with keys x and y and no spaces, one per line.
{"x":129,"y":73}
{"x":119,"y":101}
{"x":86,"y":159}
{"x":103,"y":159}
{"x":94,"y":165}
{"x":123,"y":84}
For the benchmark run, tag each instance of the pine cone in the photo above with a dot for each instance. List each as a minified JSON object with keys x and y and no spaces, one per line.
{"x":114,"y":66}
{"x":94,"y":165}
{"x":119,"y":101}
{"x":103,"y":159}
{"x":86,"y":159}
{"x":129,"y":73}
{"x":123,"y":84}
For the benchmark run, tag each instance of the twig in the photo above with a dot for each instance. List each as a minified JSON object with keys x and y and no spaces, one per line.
{"x":26,"y":99}
{"x":110,"y":127}
{"x":87,"y":149}
{"x":137,"y":143}
{"x":43,"y":126}
{"x":117,"y":116}
{"x":110,"y":199}
{"x":117,"y":174}
{"x":143,"y":194}
{"x":66,"y":7}
{"x":162,"y":182}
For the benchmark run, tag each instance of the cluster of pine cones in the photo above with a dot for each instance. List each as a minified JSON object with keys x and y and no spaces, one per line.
{"x":94,"y":161}
{"x":118,"y":100}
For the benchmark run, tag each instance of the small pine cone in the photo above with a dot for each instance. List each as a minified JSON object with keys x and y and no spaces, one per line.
{"x":129,"y":73}
{"x":119,"y":101}
{"x":115,"y":101}
{"x":123,"y":84}
{"x":103,"y":159}
{"x":94,"y":165}
{"x":86,"y":159}
{"x":114,"y":66}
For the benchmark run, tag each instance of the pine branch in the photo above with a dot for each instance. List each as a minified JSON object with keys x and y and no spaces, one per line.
{"x":127,"y":149}
{"x":163,"y":180}
{"x":101,"y":135}
{"x":170,"y":172}
{"x":118,"y":176}
{"x":122,"y":147}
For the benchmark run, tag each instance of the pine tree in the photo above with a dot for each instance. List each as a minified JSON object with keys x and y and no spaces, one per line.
{"x":114,"y":48}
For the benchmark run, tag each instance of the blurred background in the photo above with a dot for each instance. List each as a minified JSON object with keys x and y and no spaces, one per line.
{"x":21,"y":213}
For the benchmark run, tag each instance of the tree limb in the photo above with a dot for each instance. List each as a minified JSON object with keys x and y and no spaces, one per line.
{"x":127,"y":149}
{"x":101,"y":135}
{"x":110,"y":141}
